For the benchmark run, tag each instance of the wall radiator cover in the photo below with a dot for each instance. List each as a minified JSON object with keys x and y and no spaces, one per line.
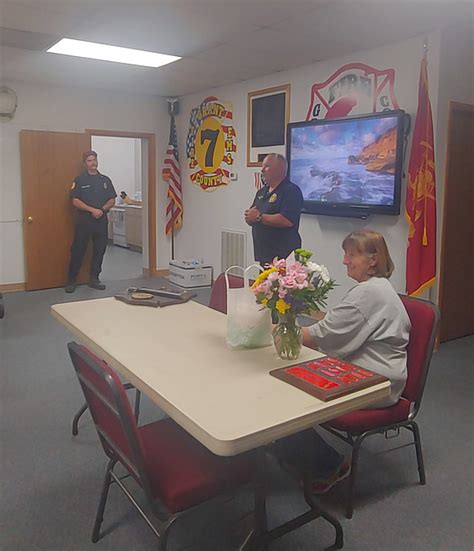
{"x":233,"y":250}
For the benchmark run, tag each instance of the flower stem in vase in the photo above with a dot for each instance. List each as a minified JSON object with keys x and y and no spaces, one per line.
{"x":287,"y":337}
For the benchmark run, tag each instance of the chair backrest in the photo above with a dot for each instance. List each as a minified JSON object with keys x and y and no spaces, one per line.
{"x":218,"y":299}
{"x":111,"y":412}
{"x":424,"y":317}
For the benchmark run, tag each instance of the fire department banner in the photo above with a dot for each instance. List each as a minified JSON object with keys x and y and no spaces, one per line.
{"x":353,"y":89}
{"x":211,"y":144}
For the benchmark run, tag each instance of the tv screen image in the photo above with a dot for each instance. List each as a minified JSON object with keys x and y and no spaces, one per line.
{"x":348,"y":167}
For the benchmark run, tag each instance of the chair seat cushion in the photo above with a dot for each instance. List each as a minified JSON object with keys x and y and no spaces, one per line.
{"x":182,"y":471}
{"x":368,"y":419}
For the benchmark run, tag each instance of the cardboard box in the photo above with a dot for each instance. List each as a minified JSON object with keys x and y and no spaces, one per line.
{"x":200,"y":276}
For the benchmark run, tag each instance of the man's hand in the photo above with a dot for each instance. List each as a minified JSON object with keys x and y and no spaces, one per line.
{"x":251,"y":215}
{"x":97,"y":213}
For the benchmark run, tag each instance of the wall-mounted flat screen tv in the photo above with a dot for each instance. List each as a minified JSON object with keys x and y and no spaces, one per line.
{"x":350,"y":166}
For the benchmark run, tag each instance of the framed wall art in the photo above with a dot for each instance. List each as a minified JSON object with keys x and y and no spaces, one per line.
{"x":268,"y":113}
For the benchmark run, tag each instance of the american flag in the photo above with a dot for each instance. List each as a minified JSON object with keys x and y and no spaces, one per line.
{"x":193,"y":128}
{"x":258,"y":180}
{"x":171,"y":174}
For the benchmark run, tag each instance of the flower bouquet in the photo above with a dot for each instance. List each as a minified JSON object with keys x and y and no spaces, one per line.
{"x":289,"y":287}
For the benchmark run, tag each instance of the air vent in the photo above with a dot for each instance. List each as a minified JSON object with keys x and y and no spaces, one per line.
{"x":233,"y":249}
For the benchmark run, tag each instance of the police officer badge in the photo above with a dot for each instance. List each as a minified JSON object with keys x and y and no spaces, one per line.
{"x":273,"y":198}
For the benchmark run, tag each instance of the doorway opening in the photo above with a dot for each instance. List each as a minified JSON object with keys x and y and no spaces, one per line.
{"x":456,"y":262}
{"x":129,"y":159}
{"x":121,"y":160}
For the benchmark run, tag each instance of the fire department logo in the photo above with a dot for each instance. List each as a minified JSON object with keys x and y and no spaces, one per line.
{"x":353,"y":89}
{"x":211,"y":144}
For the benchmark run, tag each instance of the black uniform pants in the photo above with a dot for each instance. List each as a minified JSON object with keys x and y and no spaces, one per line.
{"x":88,"y":228}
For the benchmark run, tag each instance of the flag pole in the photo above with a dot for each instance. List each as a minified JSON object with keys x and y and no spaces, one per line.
{"x":172,"y":233}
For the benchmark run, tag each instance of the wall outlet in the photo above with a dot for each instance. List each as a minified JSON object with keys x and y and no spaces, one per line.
{"x":234,"y":176}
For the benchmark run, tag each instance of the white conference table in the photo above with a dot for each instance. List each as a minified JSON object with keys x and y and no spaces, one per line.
{"x":178,"y":357}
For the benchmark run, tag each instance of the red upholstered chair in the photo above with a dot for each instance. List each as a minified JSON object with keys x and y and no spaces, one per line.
{"x":355,"y":427}
{"x":218,"y":299}
{"x":175,"y":472}
{"x":84,"y":408}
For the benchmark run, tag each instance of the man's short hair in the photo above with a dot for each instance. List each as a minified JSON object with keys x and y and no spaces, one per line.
{"x":281,"y":158}
{"x":88,"y":154}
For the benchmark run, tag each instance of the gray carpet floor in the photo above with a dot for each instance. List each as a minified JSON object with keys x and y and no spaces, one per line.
{"x":50,"y":481}
{"x":121,"y":263}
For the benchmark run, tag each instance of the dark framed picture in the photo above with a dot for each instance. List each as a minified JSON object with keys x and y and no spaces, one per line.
{"x":268,"y":113}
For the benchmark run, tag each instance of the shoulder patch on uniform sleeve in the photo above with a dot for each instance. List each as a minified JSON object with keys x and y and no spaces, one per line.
{"x":73,"y":185}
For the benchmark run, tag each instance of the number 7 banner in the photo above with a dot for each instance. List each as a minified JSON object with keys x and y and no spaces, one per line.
{"x":211,"y":144}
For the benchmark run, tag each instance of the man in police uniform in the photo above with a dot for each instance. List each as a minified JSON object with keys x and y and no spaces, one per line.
{"x":93,"y":195}
{"x":275,"y":212}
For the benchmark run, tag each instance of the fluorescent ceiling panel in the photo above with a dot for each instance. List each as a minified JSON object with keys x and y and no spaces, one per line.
{"x":92,"y":50}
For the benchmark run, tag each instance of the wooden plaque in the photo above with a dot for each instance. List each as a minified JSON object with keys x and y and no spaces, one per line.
{"x":328,"y":378}
{"x":155,"y":301}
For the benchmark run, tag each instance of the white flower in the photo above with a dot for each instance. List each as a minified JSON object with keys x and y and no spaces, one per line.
{"x":325,"y":274}
{"x":314,"y":268}
{"x":318,"y":271}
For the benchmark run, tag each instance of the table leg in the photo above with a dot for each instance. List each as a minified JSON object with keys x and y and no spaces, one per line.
{"x":254,"y":539}
{"x":260,"y":537}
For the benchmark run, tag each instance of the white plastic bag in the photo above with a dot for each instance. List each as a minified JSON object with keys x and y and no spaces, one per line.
{"x":249,"y":325}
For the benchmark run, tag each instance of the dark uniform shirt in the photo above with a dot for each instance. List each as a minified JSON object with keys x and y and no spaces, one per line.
{"x":269,"y":241}
{"x":92,"y":189}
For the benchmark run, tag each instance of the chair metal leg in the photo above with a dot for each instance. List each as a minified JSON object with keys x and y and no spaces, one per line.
{"x":352,"y":478}
{"x":419,"y":453}
{"x":138,"y":395}
{"x":164,"y":533}
{"x":103,"y":499}
{"x":75,"y":421}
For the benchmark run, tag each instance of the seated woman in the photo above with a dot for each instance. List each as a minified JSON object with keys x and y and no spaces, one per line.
{"x":370,"y":328}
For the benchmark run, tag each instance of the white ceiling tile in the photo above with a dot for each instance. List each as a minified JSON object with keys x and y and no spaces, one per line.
{"x":222,"y":41}
{"x":37,"y":18}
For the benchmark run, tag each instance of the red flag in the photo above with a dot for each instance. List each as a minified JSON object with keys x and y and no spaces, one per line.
{"x":171,"y":174}
{"x":421,"y":196}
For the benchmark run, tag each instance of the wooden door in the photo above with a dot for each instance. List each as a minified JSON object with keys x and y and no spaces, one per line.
{"x":457,"y":254}
{"x":49,"y":163}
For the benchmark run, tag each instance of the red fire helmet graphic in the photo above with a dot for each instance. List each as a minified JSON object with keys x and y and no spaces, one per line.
{"x":355,"y":88}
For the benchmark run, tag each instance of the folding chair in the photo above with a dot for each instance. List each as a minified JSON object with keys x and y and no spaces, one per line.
{"x":175,"y":472}
{"x":356,"y":426}
{"x":84,"y":408}
{"x":218,"y":298}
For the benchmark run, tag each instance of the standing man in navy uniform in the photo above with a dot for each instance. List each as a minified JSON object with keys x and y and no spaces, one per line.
{"x":93,"y":195}
{"x":275,"y":212}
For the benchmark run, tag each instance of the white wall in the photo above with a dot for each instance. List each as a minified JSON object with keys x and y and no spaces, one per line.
{"x":68,"y":110}
{"x":206,"y":214}
{"x":120,"y":159}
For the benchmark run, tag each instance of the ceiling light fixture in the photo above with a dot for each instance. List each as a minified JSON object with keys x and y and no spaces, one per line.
{"x":105,"y":52}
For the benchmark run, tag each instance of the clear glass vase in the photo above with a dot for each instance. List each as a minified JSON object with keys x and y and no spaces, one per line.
{"x":287,"y":337}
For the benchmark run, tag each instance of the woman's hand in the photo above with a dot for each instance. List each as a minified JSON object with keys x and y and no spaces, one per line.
{"x":307,"y":339}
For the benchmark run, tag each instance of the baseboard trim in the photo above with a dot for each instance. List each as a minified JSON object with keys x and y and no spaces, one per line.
{"x":12,"y":287}
{"x":155,"y":273}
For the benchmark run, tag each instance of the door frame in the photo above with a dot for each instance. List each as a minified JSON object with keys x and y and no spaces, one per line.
{"x":452,"y":106}
{"x":151,"y":190}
